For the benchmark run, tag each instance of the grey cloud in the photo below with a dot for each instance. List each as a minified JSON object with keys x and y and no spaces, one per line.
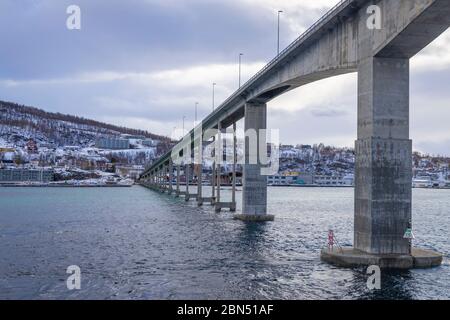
{"x":146,"y":36}
{"x":325,"y":112}
{"x":127,"y":36}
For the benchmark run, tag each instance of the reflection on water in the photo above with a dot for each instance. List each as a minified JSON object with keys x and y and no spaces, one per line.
{"x":133,"y":243}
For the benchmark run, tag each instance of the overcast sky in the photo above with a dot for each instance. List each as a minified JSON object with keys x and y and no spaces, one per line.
{"x":144,"y":64}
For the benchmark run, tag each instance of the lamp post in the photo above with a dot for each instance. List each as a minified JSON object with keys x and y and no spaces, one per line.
{"x":184,"y":117}
{"x":213,"y":95}
{"x":196,"y":107}
{"x":174,"y":132}
{"x":278,"y":38}
{"x":240,"y":61}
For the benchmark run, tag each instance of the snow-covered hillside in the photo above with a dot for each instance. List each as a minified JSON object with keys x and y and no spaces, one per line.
{"x":20,"y":123}
{"x":33,"y":138}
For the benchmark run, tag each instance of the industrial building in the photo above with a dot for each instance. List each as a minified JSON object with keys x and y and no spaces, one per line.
{"x":112,"y":143}
{"x":26,"y":175}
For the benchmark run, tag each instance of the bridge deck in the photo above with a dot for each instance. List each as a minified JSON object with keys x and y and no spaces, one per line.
{"x":232,"y":106}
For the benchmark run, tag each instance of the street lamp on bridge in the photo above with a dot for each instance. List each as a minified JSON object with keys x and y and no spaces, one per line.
{"x":196,"y":107}
{"x":278,"y":38}
{"x":213,"y":95}
{"x":240,"y":61}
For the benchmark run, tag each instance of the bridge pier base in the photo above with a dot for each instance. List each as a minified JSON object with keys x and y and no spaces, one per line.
{"x":254,"y":185}
{"x":350,"y":257}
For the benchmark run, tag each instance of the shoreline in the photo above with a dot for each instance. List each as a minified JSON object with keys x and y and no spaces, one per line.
{"x":12,"y":185}
{"x":63,"y":186}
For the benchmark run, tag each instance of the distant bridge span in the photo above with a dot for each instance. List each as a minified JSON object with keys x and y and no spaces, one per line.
{"x":342,"y":42}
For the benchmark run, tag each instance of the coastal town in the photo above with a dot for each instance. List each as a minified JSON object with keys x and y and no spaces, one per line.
{"x":118,"y":161}
{"x":38,"y":148}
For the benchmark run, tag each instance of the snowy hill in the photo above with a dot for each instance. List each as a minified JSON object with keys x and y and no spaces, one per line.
{"x":20,"y":123}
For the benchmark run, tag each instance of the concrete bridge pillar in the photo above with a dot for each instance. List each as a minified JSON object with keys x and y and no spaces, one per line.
{"x":158,"y":179}
{"x":170,"y":176}
{"x":153,"y":180}
{"x":177,"y":193}
{"x":162,"y":174}
{"x":233,"y":187}
{"x":187,"y":176}
{"x":218,"y":162}
{"x":200,"y":176}
{"x":166,"y":179}
{"x":254,"y":185}
{"x":383,"y":170}
{"x":213,"y":176}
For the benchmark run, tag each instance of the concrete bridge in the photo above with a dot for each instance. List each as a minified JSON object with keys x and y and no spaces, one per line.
{"x":347,"y":39}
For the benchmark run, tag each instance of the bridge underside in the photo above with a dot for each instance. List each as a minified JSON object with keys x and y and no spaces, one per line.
{"x":340,"y":43}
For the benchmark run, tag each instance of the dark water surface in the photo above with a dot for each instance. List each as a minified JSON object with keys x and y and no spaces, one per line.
{"x":133,"y":243}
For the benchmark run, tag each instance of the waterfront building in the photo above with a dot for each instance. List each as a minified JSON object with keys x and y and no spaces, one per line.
{"x":132,"y":137}
{"x":149,"y":143}
{"x":290,"y":179}
{"x":131,"y":172}
{"x":422,"y":182}
{"x":25,"y":175}
{"x":334,"y":180}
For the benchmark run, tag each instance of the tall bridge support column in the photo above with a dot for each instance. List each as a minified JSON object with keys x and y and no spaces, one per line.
{"x":164,"y":179}
{"x":254,"y":185}
{"x":200,"y":176}
{"x":177,"y":193}
{"x":233,"y":187}
{"x":219,"y":158}
{"x":213,"y":177}
{"x":163,"y":182}
{"x":161,"y":176}
{"x":187,"y":175}
{"x":383,"y":157}
{"x":170,"y":176}
{"x":220,"y":204}
{"x":158,"y":179}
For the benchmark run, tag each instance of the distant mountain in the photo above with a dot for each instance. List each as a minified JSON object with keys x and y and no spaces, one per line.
{"x":19,"y":123}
